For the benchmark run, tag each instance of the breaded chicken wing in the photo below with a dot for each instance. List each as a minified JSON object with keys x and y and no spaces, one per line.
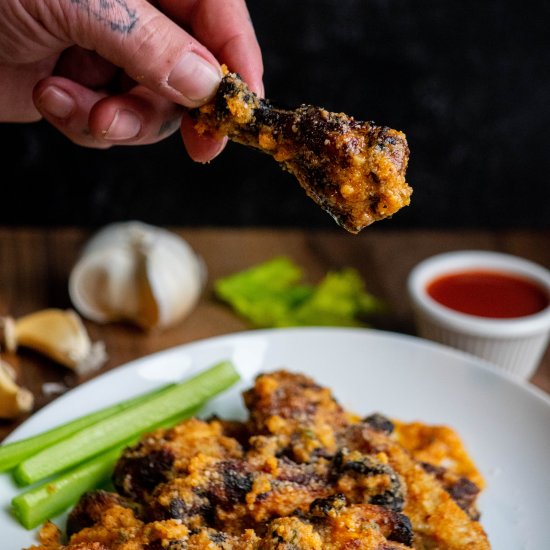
{"x":300,"y":474}
{"x":354,"y":170}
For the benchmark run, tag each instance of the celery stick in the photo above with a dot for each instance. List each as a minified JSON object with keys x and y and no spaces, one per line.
{"x":11,"y":454}
{"x":124,"y":425}
{"x":50,"y":499}
{"x":46,"y":501}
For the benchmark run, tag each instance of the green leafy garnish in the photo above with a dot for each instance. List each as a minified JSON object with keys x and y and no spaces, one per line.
{"x":273,"y":294}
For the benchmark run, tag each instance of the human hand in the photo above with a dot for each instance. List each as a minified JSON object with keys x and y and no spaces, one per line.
{"x":108,"y":72}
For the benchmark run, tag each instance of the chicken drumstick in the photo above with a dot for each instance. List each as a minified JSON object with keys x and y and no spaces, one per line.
{"x":354,"y":170}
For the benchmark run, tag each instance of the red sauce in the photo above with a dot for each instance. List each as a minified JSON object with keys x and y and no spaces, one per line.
{"x":489,"y":294}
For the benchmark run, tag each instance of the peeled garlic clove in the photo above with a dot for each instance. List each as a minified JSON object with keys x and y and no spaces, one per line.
{"x":136,"y":272}
{"x":60,"y":335}
{"x":7,"y":334}
{"x":14,"y":400}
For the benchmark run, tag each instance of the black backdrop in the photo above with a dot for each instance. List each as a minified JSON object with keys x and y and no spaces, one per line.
{"x":467,"y":81}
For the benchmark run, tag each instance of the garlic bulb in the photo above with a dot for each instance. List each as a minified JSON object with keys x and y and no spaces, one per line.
{"x":132,"y":271}
{"x":58,"y":334}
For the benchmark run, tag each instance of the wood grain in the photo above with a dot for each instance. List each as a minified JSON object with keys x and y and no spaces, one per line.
{"x":35,"y":264}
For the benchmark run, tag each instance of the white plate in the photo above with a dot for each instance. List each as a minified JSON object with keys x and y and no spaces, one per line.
{"x":505,"y":424}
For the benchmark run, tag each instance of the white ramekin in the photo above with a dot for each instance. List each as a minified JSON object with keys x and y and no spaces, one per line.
{"x":516,"y":345}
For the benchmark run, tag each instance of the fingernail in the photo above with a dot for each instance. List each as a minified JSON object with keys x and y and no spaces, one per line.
{"x":56,"y":102}
{"x":194,"y":78}
{"x":221,"y":146}
{"x":125,"y":125}
{"x":209,"y":154}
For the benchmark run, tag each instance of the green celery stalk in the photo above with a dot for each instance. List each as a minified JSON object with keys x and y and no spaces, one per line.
{"x":35,"y":506}
{"x":126,"y":424}
{"x":11,"y":454}
{"x":50,"y":499}
{"x":272,"y":294}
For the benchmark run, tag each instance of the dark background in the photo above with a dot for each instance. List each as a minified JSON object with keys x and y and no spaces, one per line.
{"x":467,"y":81}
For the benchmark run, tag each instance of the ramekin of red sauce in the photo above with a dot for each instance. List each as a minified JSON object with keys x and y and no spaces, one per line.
{"x":494,"y":305}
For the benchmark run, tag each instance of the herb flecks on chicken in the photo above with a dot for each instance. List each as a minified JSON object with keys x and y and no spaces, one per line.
{"x":354,"y":170}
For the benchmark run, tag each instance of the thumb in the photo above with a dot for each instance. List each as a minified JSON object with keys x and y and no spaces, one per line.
{"x":151,"y":48}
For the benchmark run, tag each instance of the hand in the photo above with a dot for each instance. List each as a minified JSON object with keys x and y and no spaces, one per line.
{"x":108,"y":72}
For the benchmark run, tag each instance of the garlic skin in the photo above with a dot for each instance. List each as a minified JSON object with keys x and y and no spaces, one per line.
{"x":136,"y":272}
{"x":59,"y":334}
{"x":14,"y":400}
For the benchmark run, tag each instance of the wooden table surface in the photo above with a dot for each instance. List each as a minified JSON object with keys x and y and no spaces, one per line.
{"x":35,"y":264}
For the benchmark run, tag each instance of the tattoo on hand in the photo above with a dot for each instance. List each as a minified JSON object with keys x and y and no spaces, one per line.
{"x":114,"y":13}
